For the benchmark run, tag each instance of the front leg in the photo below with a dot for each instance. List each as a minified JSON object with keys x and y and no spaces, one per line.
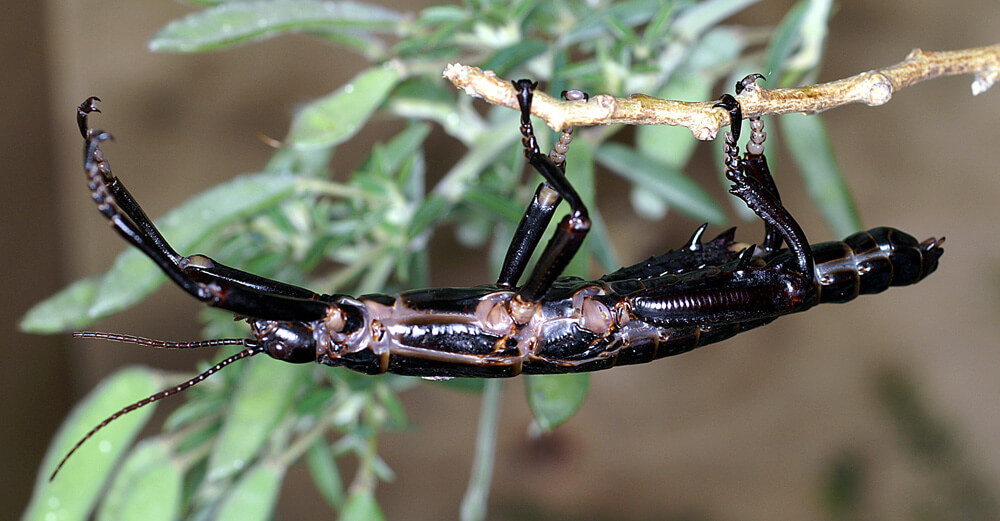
{"x":211,"y":282}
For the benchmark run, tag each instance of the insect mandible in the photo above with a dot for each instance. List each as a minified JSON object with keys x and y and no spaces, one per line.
{"x":703,"y":292}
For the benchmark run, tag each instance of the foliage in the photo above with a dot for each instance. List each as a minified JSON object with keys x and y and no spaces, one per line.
{"x":224,"y":453}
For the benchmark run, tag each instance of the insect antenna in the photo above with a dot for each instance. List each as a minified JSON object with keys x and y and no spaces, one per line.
{"x":252,"y":348}
{"x":163,"y":344}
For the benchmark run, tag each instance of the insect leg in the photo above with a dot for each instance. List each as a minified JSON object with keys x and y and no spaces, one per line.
{"x":216,"y":284}
{"x":571,"y":230}
{"x":543,"y":204}
{"x":755,"y":165}
{"x":758,"y":197}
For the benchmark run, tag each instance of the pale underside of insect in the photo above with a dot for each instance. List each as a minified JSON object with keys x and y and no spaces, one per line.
{"x":698,"y":294}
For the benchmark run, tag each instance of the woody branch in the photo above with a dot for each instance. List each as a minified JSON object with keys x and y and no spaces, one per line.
{"x":872,"y":88}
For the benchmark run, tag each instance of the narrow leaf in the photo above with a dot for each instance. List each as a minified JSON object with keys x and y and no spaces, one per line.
{"x":326,"y":477}
{"x":63,"y":311}
{"x":704,"y":15}
{"x":147,"y":488}
{"x":601,"y":246}
{"x":475,"y":501}
{"x":403,"y":146}
{"x":672,"y":145}
{"x":784,"y":42}
{"x":237,"y":22}
{"x":465,"y":385}
{"x":335,"y":118}
{"x":255,"y":494}
{"x":74,"y":492}
{"x":809,"y":144}
{"x":555,"y":398}
{"x":647,"y":205}
{"x":597,"y":22}
{"x":678,"y":191}
{"x":266,"y":391}
{"x":429,"y":212}
{"x":513,"y":56}
{"x":361,"y":506}
{"x":488,"y":199}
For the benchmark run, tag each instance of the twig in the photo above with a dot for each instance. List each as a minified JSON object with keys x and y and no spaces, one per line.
{"x":871,"y":88}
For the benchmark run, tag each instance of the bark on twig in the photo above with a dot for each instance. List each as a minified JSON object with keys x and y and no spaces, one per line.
{"x":871,"y":88}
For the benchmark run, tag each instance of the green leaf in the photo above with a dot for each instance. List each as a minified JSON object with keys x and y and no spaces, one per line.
{"x":74,"y":492}
{"x":672,"y":145}
{"x":555,"y":398}
{"x":255,"y":494}
{"x":437,"y":14}
{"x":474,"y":502}
{"x":134,"y":276}
{"x":315,"y":401}
{"x":698,"y":18}
{"x":237,"y":22}
{"x":796,"y":49}
{"x":647,"y":205}
{"x":809,"y":144}
{"x":147,"y":488}
{"x":598,"y":22}
{"x":63,"y":311}
{"x":361,"y":506}
{"x":335,"y":118}
{"x":496,"y":204}
{"x":326,"y":477}
{"x":402,"y":147}
{"x":194,"y":410}
{"x":600,"y":246}
{"x":716,"y":50}
{"x":428,"y":213}
{"x":418,"y":98}
{"x":393,"y":407}
{"x":513,"y":56}
{"x":265,"y":393}
{"x":678,"y":191}
{"x":784,"y":42}
{"x":843,"y":485}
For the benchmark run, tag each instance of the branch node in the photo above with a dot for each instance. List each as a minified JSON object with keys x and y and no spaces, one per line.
{"x":879,"y":89}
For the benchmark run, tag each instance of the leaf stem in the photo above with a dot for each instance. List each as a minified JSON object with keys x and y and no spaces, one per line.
{"x":474,"y":502}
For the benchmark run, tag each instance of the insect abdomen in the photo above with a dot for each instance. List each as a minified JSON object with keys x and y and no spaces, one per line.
{"x":872,"y":261}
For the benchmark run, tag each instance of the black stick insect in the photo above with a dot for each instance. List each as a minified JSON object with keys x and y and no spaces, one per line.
{"x":701,"y":293}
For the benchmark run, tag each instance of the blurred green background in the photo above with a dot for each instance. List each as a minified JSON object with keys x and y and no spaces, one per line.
{"x":883,"y":408}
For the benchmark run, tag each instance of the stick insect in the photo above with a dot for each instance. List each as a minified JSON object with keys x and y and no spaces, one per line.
{"x":701,"y":293}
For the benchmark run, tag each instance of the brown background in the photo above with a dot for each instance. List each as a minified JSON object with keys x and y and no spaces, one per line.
{"x":745,"y":430}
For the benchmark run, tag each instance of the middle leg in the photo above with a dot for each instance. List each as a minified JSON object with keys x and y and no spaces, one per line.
{"x":543,"y":204}
{"x":569,"y":233}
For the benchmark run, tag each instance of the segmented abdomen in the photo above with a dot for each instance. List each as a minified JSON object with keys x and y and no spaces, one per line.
{"x":872,"y":261}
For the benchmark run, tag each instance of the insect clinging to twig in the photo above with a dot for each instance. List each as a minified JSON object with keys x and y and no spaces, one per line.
{"x":700,"y":293}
